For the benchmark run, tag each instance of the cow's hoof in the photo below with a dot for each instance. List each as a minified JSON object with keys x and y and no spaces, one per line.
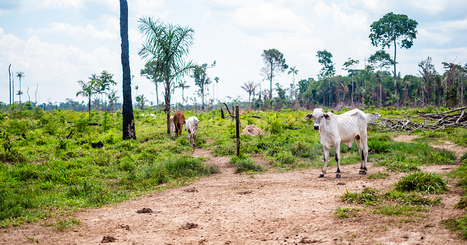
{"x":321,"y":176}
{"x":338,"y":176}
{"x":362,"y":172}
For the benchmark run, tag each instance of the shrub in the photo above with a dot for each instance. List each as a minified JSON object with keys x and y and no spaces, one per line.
{"x":247,"y":165}
{"x":369,"y":196}
{"x":285,"y":157}
{"x":422,"y":181}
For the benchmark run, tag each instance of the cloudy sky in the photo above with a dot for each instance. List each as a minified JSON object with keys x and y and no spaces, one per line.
{"x":58,"y":42}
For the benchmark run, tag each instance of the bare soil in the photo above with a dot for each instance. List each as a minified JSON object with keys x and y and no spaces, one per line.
{"x":292,"y":207}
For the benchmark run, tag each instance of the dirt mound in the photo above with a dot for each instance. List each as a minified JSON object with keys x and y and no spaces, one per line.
{"x":252,"y":130}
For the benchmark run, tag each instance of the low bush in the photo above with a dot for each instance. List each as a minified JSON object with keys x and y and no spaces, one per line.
{"x":423,"y":182}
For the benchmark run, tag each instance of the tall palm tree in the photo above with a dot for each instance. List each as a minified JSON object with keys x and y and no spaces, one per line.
{"x":87,"y":89}
{"x":168,"y":44}
{"x":250,"y":88}
{"x":20,"y":74}
{"x":293,"y":71}
{"x":183,"y":85}
{"x":127,"y":112}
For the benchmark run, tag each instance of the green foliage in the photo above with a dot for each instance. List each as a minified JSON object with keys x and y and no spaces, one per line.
{"x":423,"y":182}
{"x":286,"y":158}
{"x":411,"y":198}
{"x":369,"y":196}
{"x":346,"y":212}
{"x":399,"y":210}
{"x":459,"y":225}
{"x":378,"y":175}
{"x":247,"y":165}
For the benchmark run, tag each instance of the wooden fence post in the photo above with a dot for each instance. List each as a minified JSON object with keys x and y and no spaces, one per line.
{"x":237,"y":126}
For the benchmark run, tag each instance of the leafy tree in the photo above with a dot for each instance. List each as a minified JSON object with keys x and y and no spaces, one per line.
{"x":20,"y":75}
{"x":327,"y":71}
{"x":106,"y":79}
{"x":381,"y":60}
{"x":127,"y":112}
{"x":87,"y":90}
{"x":141,"y":100}
{"x":428,"y":73}
{"x":150,"y":72}
{"x":349,"y":66}
{"x":250,"y":88}
{"x":112,"y":97}
{"x":275,"y":64}
{"x":202,"y":80}
{"x":453,"y":81}
{"x":293,"y":71}
{"x":168,"y":45}
{"x":390,"y":30}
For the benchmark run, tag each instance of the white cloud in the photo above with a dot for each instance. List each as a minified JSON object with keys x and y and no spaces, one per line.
{"x":433,"y":37}
{"x":321,"y":9}
{"x":54,"y":66}
{"x":270,"y":17}
{"x":84,"y":33}
{"x":430,"y":6}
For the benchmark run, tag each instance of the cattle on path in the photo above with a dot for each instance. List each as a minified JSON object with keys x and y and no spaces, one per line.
{"x":179,"y":120}
{"x":345,"y":128}
{"x":191,"y":127}
{"x":172,"y":125}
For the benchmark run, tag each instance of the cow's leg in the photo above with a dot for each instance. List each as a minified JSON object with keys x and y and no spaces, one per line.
{"x":326,"y":158}
{"x":361,"y":152}
{"x":338,"y":157}
{"x":365,"y":153}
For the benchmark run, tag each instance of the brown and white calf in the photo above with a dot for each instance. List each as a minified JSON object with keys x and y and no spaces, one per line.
{"x":345,"y":128}
{"x":191,"y":126}
{"x":179,"y":121}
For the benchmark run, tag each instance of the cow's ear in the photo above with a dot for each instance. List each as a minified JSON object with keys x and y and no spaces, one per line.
{"x":326,"y":116}
{"x":308,"y":116}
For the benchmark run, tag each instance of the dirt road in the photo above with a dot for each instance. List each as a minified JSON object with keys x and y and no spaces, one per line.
{"x":293,"y":207}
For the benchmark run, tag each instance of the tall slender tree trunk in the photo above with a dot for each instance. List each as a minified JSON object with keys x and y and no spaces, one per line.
{"x":270,"y":86}
{"x":128,"y":117}
{"x":20,"y":89}
{"x":167,"y":102}
{"x":9,"y":81}
{"x":157,"y":95}
{"x":202,"y":96}
{"x":395,"y":72}
{"x":89,"y":107}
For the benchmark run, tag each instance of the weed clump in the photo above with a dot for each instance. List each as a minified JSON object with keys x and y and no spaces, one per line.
{"x":369,"y":196}
{"x":245,"y":164}
{"x":423,"y":182}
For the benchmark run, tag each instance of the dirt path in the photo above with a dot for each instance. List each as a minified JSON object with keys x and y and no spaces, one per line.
{"x":294,"y":207}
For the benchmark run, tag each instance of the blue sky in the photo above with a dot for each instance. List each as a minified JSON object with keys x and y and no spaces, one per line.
{"x":58,"y":42}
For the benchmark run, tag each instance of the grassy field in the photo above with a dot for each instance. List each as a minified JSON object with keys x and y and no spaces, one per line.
{"x":44,"y":174}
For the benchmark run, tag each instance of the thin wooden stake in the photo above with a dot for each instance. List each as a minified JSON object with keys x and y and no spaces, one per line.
{"x":237,"y":126}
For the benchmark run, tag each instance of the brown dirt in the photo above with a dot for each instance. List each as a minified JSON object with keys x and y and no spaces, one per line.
{"x":292,"y":207}
{"x":252,"y":130}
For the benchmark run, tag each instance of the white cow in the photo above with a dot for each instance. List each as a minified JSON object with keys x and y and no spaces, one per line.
{"x":344,"y":128}
{"x":371,"y":118}
{"x":172,"y":126}
{"x":191,"y":126}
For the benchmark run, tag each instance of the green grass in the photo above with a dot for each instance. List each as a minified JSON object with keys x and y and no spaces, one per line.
{"x":346,"y":212}
{"x":369,"y":196}
{"x":43,"y":174}
{"x":424,"y":182}
{"x":399,"y":210}
{"x":378,"y":175}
